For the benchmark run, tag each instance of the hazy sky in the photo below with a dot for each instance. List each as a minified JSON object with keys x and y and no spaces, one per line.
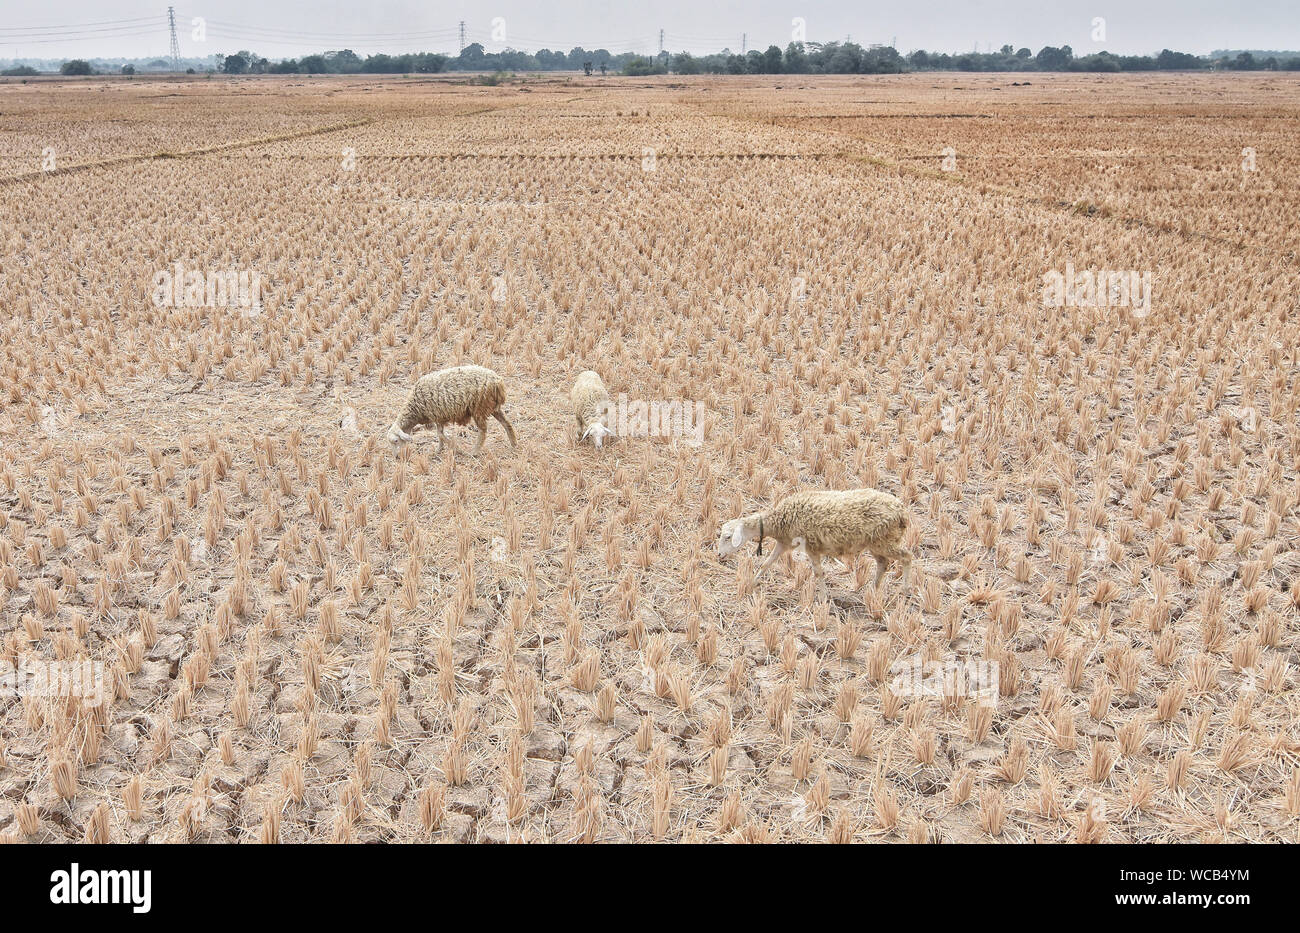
{"x":278,"y":28}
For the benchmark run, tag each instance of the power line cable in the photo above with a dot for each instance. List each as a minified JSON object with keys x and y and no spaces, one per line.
{"x":274,"y":34}
{"x":83,"y":27}
{"x":363,"y":40}
{"x":87,"y":34}
{"x":272,"y":31}
{"x":7,"y":40}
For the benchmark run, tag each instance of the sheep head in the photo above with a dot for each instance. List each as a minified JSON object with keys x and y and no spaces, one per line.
{"x":597,"y":431}
{"x":733,"y":536}
{"x":397,"y":438}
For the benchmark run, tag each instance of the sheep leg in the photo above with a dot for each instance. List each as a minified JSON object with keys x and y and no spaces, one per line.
{"x":481,"y":424}
{"x":906,"y":558}
{"x":510,"y":432}
{"x":819,"y":574}
{"x":882,"y":564}
{"x":777,"y":550}
{"x":444,"y":442}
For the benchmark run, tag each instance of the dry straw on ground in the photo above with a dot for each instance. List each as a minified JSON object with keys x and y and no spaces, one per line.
{"x":309,"y":639}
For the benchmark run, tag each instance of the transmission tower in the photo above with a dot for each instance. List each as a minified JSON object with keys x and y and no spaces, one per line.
{"x":661,"y":41}
{"x":744,"y":38}
{"x":176,"y":46}
{"x":462,"y":35}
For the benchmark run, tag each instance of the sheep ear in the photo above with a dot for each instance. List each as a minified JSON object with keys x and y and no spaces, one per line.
{"x":738,"y":535}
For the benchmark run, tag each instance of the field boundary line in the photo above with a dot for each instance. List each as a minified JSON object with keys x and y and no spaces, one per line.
{"x":186,"y":153}
{"x":1077,"y":209}
{"x":604,"y":156}
{"x":222,"y":147}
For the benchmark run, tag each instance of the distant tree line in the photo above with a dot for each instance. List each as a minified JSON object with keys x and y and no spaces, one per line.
{"x":1051,"y":58}
{"x":344,"y":61}
{"x":797,"y":58}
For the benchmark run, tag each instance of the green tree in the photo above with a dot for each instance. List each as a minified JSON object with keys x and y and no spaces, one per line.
{"x":1050,"y":58}
{"x":1170,"y":61}
{"x":344,"y":61}
{"x":234,"y":65}
{"x":684,"y":63}
{"x":639,"y":66}
{"x":882,"y":59}
{"x":76,"y":67}
{"x":845,"y":59}
{"x":428,"y":63}
{"x":772,"y":60}
{"x":796,"y":59}
{"x":471,"y":57}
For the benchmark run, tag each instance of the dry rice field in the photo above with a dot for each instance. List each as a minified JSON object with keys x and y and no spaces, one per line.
{"x":305,"y":637}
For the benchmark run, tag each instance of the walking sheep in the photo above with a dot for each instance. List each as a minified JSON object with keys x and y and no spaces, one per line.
{"x":591,"y":407}
{"x":827,"y":523}
{"x":453,"y":396}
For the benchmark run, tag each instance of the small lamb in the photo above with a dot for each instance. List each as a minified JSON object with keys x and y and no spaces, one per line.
{"x":591,"y":406}
{"x":827,"y":523}
{"x":457,"y":395}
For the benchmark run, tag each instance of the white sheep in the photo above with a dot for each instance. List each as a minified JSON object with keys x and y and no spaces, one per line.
{"x":453,"y":396}
{"x":591,"y":407}
{"x":827,"y":523}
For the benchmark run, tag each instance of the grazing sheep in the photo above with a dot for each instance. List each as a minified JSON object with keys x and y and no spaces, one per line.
{"x":591,"y":407}
{"x":827,"y":523}
{"x":453,"y":396}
